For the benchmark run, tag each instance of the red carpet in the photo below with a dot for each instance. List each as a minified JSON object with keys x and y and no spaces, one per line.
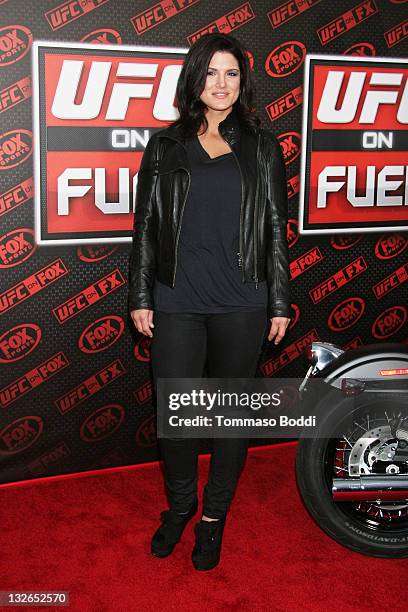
{"x":90,"y":536}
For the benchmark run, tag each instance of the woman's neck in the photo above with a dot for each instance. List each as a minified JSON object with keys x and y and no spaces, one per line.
{"x":214,"y":119}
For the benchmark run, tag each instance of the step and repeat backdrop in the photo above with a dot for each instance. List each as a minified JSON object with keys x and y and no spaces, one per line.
{"x":83,"y":86}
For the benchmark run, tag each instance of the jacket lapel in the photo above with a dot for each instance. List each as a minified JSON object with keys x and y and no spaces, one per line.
{"x":177,"y":157}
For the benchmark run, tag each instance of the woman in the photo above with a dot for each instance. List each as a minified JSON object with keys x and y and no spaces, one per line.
{"x":209,"y":286}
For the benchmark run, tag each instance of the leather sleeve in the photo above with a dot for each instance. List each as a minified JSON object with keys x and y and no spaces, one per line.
{"x":142,"y":260}
{"x":277,"y":252}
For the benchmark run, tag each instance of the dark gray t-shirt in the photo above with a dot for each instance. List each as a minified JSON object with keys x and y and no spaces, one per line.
{"x":208,"y":279}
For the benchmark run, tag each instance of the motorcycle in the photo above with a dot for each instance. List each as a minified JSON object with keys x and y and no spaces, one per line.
{"x":352,"y":471}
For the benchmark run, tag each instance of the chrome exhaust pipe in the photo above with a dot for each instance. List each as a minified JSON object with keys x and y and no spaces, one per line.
{"x":371,"y":488}
{"x":368,"y":483}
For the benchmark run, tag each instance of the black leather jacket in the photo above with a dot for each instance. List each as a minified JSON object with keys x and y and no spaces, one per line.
{"x":163,"y":182}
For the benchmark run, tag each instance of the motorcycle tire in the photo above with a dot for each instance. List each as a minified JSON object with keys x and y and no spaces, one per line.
{"x":338,"y":519}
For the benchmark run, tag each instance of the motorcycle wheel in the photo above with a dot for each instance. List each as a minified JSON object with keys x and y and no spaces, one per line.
{"x":375,"y":529}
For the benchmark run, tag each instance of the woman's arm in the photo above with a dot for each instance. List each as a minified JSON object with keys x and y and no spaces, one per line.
{"x":142,"y":259}
{"x":277,"y":252}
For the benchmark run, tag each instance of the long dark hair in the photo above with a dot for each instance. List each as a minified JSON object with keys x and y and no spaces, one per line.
{"x":192,"y":79}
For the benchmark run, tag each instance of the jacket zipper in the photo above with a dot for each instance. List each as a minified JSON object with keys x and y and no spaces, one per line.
{"x":256,"y":224}
{"x":179,"y":227}
{"x":182,"y":209}
{"x":240,"y":264}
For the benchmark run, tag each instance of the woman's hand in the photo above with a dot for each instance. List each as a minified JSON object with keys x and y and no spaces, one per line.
{"x":143,"y":319}
{"x":278,"y":328}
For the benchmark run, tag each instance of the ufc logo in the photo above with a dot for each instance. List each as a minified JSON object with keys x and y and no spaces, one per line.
{"x":334,"y":29}
{"x":63,"y":14}
{"x":283,"y":13}
{"x":10,"y":96}
{"x":151,"y":17}
{"x":331,"y":110}
{"x":65,"y":107}
{"x":396,"y":34}
{"x":144,"y":393}
{"x":66,"y":13}
{"x":284,"y":104}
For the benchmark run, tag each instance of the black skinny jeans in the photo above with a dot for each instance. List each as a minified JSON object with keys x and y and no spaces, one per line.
{"x":182,"y":342}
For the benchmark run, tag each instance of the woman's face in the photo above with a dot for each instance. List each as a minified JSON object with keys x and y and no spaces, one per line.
{"x":222,"y":84}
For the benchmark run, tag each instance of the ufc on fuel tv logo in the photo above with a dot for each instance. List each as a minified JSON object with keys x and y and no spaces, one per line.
{"x":354,"y":145}
{"x":96,"y":107}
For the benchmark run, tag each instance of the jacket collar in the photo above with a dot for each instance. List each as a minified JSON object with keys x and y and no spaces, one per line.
{"x":229,"y":127}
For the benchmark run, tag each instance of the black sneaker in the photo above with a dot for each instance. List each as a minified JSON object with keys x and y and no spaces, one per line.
{"x":207,"y":550}
{"x":170,"y":531}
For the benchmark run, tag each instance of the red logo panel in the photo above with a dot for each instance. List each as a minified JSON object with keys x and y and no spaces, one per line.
{"x":354,"y":174}
{"x":97,"y":108}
